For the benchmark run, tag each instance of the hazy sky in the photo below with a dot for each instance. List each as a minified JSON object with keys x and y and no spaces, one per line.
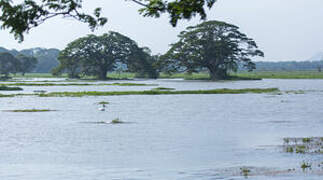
{"x":283,"y":29}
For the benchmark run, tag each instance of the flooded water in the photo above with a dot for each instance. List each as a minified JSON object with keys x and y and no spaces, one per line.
{"x":167,"y":137}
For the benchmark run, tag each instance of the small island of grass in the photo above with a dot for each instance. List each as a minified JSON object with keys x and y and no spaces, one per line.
{"x":6,"y":88}
{"x":30,"y":110}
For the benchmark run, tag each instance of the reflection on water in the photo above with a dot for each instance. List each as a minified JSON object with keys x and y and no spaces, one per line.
{"x":169,"y":137}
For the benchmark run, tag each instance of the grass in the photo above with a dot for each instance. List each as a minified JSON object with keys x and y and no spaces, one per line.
{"x":103,"y":102}
{"x":7,"y":95}
{"x":245,"y":171}
{"x":76,"y":84}
{"x":303,"y":145}
{"x":116,"y":121}
{"x":6,"y":88}
{"x":31,"y":110}
{"x":282,"y":74}
{"x":150,"y":92}
{"x":162,"y":89}
{"x":305,"y":165}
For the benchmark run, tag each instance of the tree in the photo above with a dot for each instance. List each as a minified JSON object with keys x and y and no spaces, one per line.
{"x":19,"y":18}
{"x":8,"y":64}
{"x":96,"y":55}
{"x":217,"y":46}
{"x":27,"y":63}
{"x":142,"y":63}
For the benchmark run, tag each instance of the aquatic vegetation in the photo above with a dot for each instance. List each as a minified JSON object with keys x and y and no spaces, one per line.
{"x":245,"y":171}
{"x":6,"y":88}
{"x":305,"y":166}
{"x":305,"y":145}
{"x":76,"y":84}
{"x":306,"y":140}
{"x":150,"y":92}
{"x":289,"y":149}
{"x":295,"y":92}
{"x":31,"y":110}
{"x":6,"y":95}
{"x":103,"y":103}
{"x":116,"y":121}
{"x":162,"y":89}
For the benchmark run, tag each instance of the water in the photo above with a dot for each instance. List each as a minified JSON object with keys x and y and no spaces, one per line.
{"x":168,"y":136}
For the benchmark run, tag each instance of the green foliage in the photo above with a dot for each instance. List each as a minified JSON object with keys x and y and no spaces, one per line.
{"x":5,"y":88}
{"x":151,"y":92}
{"x":19,"y":18}
{"x":177,"y":10}
{"x":103,"y":103}
{"x":245,"y":171}
{"x":116,"y":121}
{"x":305,"y":165}
{"x":27,"y":63}
{"x":216,"y":46}
{"x":8,"y":64}
{"x":289,"y":149}
{"x":96,"y":55}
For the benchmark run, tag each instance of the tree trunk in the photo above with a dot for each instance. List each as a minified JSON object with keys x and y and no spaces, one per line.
{"x":102,"y":75}
{"x":217,"y":74}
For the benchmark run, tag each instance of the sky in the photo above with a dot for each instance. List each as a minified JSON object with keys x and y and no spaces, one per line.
{"x":283,"y":29}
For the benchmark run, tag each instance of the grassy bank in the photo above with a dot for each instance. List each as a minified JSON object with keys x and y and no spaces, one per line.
{"x":154,"y":92}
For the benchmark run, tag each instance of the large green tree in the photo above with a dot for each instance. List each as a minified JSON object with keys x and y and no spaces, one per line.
{"x":96,"y":55}
{"x":8,"y":64}
{"x":216,"y":46}
{"x":20,"y":17}
{"x":27,"y":63}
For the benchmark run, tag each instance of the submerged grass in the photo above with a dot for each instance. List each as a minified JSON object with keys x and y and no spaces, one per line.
{"x":152,"y":92}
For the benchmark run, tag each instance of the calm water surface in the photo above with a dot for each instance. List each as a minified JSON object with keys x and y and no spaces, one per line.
{"x":168,"y":136}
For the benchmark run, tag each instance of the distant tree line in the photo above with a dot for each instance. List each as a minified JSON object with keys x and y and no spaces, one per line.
{"x":46,"y":58}
{"x":289,"y":66}
{"x":10,"y":64}
{"x":215,"y":47}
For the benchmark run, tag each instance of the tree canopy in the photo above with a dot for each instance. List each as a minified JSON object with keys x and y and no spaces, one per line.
{"x":96,"y":55}
{"x":8,"y":64}
{"x":27,"y":63}
{"x":19,"y":18}
{"x":216,"y":46}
